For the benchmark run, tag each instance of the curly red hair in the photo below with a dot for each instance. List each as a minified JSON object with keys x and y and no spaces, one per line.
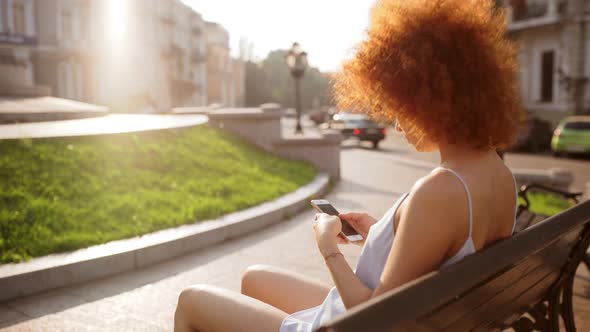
{"x":443,"y":68}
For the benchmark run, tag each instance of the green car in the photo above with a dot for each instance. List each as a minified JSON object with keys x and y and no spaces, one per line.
{"x":572,"y":136}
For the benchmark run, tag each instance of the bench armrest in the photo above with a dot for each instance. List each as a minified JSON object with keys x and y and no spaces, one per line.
{"x":525,"y":217}
{"x":575,"y":196}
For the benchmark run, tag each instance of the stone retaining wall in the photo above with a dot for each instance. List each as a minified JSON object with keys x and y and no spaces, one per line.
{"x":262,"y":127}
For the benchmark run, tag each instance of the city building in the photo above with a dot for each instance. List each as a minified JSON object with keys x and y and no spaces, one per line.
{"x":18,"y":39}
{"x":161,"y":57}
{"x":238,"y":92}
{"x":226,"y":75}
{"x":219,"y":65}
{"x":26,"y":82}
{"x":62,"y":57}
{"x":131,"y":55}
{"x":554,"y":56}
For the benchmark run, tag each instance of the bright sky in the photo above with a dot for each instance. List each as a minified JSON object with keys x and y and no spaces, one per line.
{"x":326,"y":29}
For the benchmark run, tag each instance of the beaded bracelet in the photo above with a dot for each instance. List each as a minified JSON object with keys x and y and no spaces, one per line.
{"x":334,"y":254}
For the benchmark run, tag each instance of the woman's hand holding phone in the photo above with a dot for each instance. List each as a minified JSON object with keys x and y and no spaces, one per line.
{"x":361,"y":222}
{"x":327,"y":233}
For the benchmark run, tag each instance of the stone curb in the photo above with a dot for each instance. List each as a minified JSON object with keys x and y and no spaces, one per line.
{"x":60,"y":270}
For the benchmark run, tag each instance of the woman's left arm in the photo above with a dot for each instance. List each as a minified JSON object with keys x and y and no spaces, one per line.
{"x":424,"y":236}
{"x":430,"y":224}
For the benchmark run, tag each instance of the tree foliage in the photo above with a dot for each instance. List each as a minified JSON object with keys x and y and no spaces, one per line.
{"x":271,"y":81}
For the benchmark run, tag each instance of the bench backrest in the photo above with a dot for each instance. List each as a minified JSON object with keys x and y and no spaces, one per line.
{"x":485,"y":290}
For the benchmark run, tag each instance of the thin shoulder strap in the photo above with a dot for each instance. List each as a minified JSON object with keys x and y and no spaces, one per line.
{"x":515,"y":206}
{"x":468,"y":194}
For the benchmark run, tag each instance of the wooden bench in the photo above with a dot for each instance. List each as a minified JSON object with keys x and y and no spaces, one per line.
{"x":524,"y":282}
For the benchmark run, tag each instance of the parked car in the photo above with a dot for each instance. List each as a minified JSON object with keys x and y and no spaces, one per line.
{"x":358,"y":126}
{"x":534,"y":135}
{"x":572,"y":136}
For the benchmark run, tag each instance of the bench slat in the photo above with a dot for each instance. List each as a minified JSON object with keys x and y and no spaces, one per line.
{"x":481,"y":295}
{"x":511,"y":296}
{"x":484,"y":293}
{"x":532,"y":295}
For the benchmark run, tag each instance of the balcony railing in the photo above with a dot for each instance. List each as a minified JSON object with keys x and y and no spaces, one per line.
{"x":172,"y":50}
{"x":197,"y":31}
{"x":533,"y":13}
{"x":528,"y":11}
{"x":17,"y":39}
{"x":198,"y":57}
{"x":167,"y":19}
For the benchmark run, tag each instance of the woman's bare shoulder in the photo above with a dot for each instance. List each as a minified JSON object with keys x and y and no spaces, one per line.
{"x":437,"y":201}
{"x":438,"y":186}
{"x":430,"y":224}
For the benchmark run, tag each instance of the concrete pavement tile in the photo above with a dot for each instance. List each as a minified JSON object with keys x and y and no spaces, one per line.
{"x":89,"y":316}
{"x":45,"y":303}
{"x":50,"y":324}
{"x":10,"y":316}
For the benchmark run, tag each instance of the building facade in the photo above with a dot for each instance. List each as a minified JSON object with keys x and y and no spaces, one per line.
{"x":238,"y":92}
{"x":219,"y":65}
{"x":18,"y":40}
{"x":63,"y":56}
{"x":226,"y":75}
{"x":160,"y":54}
{"x":554,"y":56}
{"x":131,"y":55}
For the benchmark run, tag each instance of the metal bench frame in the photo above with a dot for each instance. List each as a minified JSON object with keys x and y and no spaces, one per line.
{"x":545,"y":315}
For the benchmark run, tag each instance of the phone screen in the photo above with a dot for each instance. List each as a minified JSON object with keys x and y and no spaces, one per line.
{"x":346,"y":228}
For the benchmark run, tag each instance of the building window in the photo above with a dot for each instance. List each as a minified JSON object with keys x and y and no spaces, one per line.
{"x":527,"y":9}
{"x":179,"y":68}
{"x":221,"y":63}
{"x":79,"y":81}
{"x":19,"y":18}
{"x":66,"y":24}
{"x":66,"y":81}
{"x":547,"y":75}
{"x":223,"y":93}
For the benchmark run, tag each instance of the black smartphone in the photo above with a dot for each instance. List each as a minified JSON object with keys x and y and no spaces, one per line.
{"x":348,"y":232}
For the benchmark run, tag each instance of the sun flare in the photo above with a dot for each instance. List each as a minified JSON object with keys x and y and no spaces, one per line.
{"x":116,"y":20}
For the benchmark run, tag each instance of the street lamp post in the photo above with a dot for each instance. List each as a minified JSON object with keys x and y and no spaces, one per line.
{"x":297,"y":62}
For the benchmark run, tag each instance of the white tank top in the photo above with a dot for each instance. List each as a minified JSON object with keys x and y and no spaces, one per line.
{"x":371,"y":264}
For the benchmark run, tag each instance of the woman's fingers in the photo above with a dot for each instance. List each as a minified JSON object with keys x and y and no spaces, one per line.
{"x":341,"y":240}
{"x":350,"y":217}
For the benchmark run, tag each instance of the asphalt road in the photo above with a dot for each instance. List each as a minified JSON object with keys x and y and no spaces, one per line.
{"x":395,"y":145}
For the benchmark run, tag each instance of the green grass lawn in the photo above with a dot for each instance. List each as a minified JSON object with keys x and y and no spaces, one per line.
{"x":546,"y":204}
{"x":63,"y":194}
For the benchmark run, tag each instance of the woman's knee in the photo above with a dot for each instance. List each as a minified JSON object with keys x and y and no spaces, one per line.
{"x":253,"y":276}
{"x":190,"y":297}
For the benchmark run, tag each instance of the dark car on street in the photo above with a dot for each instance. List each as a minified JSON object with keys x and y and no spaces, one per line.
{"x":534,"y":135}
{"x":358,"y":126}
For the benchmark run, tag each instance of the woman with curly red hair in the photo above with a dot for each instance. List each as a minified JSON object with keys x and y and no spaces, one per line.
{"x":445,"y":73}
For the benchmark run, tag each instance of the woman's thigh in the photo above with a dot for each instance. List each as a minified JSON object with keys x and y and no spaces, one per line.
{"x":210,"y":309}
{"x":283,"y":289}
